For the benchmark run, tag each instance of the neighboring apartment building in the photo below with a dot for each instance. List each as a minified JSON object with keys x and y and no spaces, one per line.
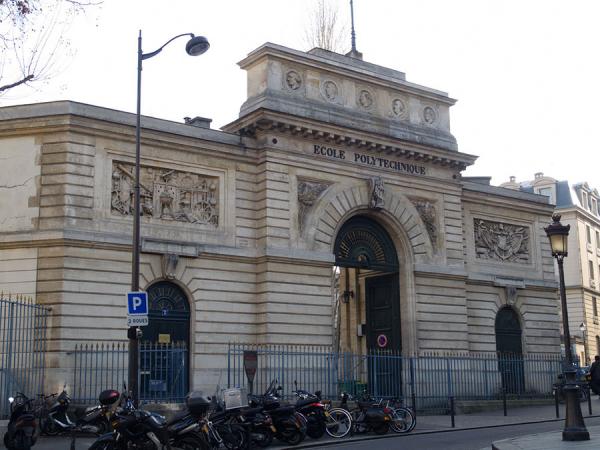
{"x":579,"y":206}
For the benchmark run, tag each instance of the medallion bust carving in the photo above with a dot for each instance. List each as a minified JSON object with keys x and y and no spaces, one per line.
{"x":330,"y":90}
{"x":166,"y":194}
{"x":398,"y":108}
{"x":293,"y":80}
{"x":365,"y":99}
{"x":501,"y":241}
{"x":429,"y":115}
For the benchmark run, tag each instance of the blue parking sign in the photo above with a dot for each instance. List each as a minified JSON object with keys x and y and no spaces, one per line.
{"x":137,"y":303}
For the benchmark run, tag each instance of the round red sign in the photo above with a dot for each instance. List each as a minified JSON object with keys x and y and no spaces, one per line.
{"x":382,"y":340}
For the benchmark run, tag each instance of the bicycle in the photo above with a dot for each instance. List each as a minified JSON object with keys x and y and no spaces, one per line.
{"x":338,"y":421}
{"x":403,"y":419}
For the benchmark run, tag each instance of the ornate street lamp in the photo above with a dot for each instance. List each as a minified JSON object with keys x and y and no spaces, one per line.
{"x":574,"y":426}
{"x":197,"y":45}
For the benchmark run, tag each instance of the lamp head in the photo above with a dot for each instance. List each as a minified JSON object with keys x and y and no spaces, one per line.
{"x":558,"y":235}
{"x":197,"y":45}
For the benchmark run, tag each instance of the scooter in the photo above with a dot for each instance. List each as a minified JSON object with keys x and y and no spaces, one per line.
{"x":310,"y":406}
{"x":22,"y":427}
{"x":57,"y":419}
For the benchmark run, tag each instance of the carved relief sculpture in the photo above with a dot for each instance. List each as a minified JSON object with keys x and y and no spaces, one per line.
{"x":293,"y":80}
{"x":365,"y":99}
{"x":308,"y":194}
{"x":429,"y":115}
{"x":398,"y":108}
{"x":501,"y":241}
{"x":426,"y":211}
{"x":166,"y":194}
{"x":330,"y":91}
{"x":377,"y":191}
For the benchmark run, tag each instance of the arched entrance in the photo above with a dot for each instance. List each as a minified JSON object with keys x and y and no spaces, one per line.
{"x":370,"y":292}
{"x":164,"y":359}
{"x":510,"y":350}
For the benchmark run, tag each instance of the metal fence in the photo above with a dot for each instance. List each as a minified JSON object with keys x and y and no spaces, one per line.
{"x":425,"y":382}
{"x":22,"y":348}
{"x":163,"y":371}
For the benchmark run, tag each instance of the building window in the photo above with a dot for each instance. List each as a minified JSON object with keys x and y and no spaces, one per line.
{"x":597,"y":345}
{"x":594,"y":307}
{"x":584,"y":199}
{"x":588,"y":233}
{"x":548,"y":192}
{"x":597,"y":239}
{"x":594,"y":206}
{"x":591,"y":266}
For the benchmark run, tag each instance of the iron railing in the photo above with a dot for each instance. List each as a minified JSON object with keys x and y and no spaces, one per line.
{"x":425,"y":382}
{"x":23,"y":326}
{"x":163,"y":371}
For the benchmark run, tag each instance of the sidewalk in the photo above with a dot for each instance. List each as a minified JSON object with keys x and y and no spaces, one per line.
{"x":425,"y":424}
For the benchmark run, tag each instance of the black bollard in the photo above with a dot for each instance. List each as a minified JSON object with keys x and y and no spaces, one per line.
{"x":504,"y":401}
{"x":452,"y":412}
{"x":589,"y":396}
{"x":556,"y":401}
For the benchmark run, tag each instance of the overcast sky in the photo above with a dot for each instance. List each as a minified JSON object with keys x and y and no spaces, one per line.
{"x":526,"y":73}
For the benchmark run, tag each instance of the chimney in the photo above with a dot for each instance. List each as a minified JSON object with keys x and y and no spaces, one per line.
{"x":200,"y":122}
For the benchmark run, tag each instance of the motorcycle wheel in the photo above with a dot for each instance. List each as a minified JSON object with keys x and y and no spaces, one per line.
{"x":234,"y":436}
{"x":338,"y":422}
{"x":315,"y":428}
{"x":22,"y":441}
{"x":191,"y":443}
{"x":381,"y":428}
{"x":49,"y":428}
{"x":292,"y":437}
{"x":266,"y":441}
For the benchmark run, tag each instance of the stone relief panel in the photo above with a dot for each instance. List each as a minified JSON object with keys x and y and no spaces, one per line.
{"x":166,"y":194}
{"x":398,"y":109}
{"x":430,"y":116}
{"x":501,"y":241}
{"x":427,"y":213}
{"x":365,"y":99}
{"x":293,"y":80}
{"x":377,"y":189}
{"x":330,"y":91}
{"x":308,"y":193}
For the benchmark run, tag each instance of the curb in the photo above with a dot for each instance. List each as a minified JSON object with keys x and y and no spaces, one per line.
{"x":400,"y":435}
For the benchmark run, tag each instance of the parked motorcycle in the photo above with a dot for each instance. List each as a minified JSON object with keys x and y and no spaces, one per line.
{"x":288,"y":426}
{"x":143,"y":430}
{"x":310,"y":406}
{"x":368,"y":416}
{"x":56,"y":419}
{"x":22,"y":430}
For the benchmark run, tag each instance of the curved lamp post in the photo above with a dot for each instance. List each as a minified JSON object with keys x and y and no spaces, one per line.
{"x":197,"y":45}
{"x":574,"y":426}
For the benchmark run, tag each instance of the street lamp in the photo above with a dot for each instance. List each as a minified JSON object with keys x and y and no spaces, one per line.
{"x":197,"y":45}
{"x":583,"y":330}
{"x":574,"y":426}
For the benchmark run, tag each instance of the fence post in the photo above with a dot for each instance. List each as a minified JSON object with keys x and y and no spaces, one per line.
{"x":452,"y":411}
{"x":8,"y":369}
{"x":229,"y":365}
{"x":556,"y":402}
{"x":504,"y":401}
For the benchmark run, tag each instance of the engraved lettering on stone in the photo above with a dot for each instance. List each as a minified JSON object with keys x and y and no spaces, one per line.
{"x":377,"y":192}
{"x":427,"y":213}
{"x":330,"y":90}
{"x":308,"y":193}
{"x":293,"y":80}
{"x":398,"y":107}
{"x":365,"y":99}
{"x":501,"y":241}
{"x":166,"y":194}
{"x":429,"y":115}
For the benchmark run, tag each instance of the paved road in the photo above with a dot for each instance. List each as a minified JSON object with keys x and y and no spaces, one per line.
{"x":453,"y":440}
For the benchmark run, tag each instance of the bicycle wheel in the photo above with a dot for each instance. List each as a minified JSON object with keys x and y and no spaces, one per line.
{"x":403,"y":420}
{"x":338,"y":422}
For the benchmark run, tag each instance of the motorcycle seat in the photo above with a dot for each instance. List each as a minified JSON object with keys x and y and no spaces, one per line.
{"x":284,"y":410}
{"x":248,"y":412}
{"x":365,"y":405}
{"x":177,"y":417}
{"x":307,"y":401}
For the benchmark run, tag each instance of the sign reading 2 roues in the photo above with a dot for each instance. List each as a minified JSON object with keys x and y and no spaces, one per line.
{"x":137,"y":309}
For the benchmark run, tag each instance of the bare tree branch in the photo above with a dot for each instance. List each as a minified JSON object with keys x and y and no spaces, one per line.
{"x":16,"y":83}
{"x":325,"y":29}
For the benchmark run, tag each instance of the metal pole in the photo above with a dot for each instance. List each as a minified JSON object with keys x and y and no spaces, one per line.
{"x":352,"y":34}
{"x":135,"y":259}
{"x":574,"y":426}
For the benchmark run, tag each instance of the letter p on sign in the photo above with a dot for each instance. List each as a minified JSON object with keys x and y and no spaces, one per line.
{"x":137,"y":303}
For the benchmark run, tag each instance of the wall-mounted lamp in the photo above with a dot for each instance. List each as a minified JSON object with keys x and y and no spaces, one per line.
{"x":347,"y":295}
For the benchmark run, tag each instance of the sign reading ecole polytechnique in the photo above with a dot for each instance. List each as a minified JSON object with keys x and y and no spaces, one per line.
{"x":137,"y":309}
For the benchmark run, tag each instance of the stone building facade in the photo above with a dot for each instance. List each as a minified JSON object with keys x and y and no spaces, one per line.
{"x":333,"y":162}
{"x":579,"y":206}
